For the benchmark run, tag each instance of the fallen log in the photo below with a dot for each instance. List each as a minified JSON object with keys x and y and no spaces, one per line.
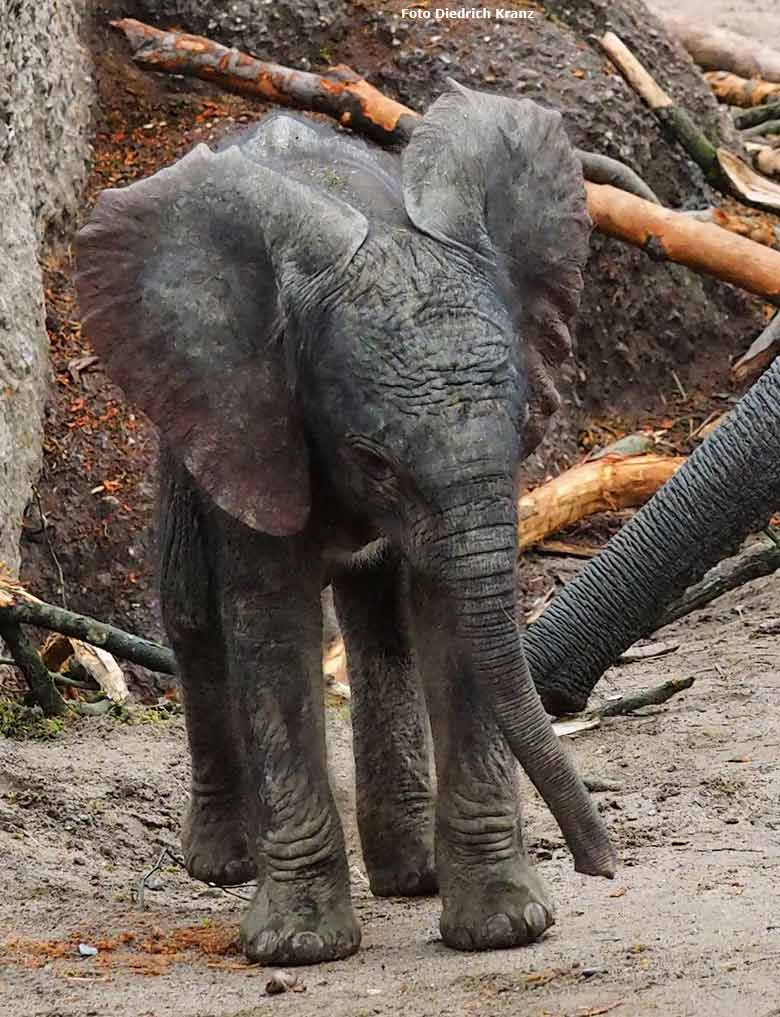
{"x":719,"y":49}
{"x":608,"y":484}
{"x":759,"y":559}
{"x":725,"y":171}
{"x":667,"y":235}
{"x":760,"y":354}
{"x":17,"y":606}
{"x":744,"y":92}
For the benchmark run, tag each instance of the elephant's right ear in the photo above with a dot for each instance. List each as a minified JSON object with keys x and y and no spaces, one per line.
{"x":183,"y":281}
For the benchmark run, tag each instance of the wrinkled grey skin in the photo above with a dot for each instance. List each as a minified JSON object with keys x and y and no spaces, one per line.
{"x":728,"y":488}
{"x":344,"y":352}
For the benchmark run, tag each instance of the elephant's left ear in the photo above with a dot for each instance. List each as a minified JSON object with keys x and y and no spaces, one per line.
{"x":499,"y":178}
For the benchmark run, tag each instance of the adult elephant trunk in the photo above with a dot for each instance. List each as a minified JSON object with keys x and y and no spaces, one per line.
{"x":479,"y":569}
{"x":728,"y":488}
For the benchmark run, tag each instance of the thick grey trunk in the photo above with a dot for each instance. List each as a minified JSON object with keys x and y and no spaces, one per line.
{"x":728,"y":488}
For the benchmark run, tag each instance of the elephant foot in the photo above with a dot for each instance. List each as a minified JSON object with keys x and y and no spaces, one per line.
{"x":291,"y":923}
{"x":215,"y":842}
{"x":503,"y":906}
{"x":405,"y":870}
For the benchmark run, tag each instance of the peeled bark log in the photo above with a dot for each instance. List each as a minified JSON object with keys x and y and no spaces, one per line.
{"x":737,"y":91}
{"x":718,"y":49}
{"x":340,"y":93}
{"x":604,"y":485}
{"x":674,"y":236}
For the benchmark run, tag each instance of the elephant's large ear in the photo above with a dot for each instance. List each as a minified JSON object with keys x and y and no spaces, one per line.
{"x":184,"y":280}
{"x":498,"y":177}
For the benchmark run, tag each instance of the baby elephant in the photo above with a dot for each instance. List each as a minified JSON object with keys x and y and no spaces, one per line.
{"x":344,"y":352}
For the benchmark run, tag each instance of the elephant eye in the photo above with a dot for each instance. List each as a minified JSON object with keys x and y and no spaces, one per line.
{"x":369,"y":459}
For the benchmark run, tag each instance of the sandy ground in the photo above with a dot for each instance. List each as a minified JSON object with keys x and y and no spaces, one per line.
{"x":690,"y":925}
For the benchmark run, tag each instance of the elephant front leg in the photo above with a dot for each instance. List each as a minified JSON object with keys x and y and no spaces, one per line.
{"x":302,"y":912}
{"x":395,"y":802}
{"x":491,"y":896}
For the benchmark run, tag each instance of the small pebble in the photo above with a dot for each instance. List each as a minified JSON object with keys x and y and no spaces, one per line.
{"x":283,"y":981}
{"x":85,"y":950}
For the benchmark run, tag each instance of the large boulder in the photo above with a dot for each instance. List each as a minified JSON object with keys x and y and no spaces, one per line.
{"x":45,"y":103}
{"x":640,"y":320}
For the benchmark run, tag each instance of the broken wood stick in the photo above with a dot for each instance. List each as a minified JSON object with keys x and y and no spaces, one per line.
{"x":758,"y":559}
{"x":19,"y":607}
{"x":667,"y":235}
{"x":744,"y":92}
{"x":757,"y":226}
{"x":719,"y":49}
{"x":760,"y":354}
{"x":603,"y":485}
{"x":648,"y":697}
{"x":722,"y":169}
{"x":764,"y":158}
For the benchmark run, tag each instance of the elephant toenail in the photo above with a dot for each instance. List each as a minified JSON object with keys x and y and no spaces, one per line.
{"x":497,"y":929}
{"x":307,"y":946}
{"x":266,"y":943}
{"x":536,"y":919}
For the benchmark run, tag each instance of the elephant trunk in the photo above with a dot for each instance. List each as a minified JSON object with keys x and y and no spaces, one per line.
{"x":480,"y":573}
{"x":729,"y":488}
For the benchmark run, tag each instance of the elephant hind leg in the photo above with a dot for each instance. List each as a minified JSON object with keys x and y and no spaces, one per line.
{"x":395,"y":802}
{"x":218,"y":829}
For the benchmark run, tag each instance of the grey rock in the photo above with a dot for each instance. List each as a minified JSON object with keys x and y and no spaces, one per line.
{"x":46,"y":96}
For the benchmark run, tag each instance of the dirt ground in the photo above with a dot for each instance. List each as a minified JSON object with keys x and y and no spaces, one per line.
{"x":690,"y":925}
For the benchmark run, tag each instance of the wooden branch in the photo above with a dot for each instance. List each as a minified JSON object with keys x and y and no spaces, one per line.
{"x":648,"y":697}
{"x":19,"y":607}
{"x":756,"y":560}
{"x":604,"y":485}
{"x":757,"y":115}
{"x":723,"y":170}
{"x":736,"y":91}
{"x":39,"y":679}
{"x":668,"y":235}
{"x":760,"y":354}
{"x":340,"y":92}
{"x":718,"y":49}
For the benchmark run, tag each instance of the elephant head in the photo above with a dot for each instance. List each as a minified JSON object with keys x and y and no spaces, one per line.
{"x":298,"y":309}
